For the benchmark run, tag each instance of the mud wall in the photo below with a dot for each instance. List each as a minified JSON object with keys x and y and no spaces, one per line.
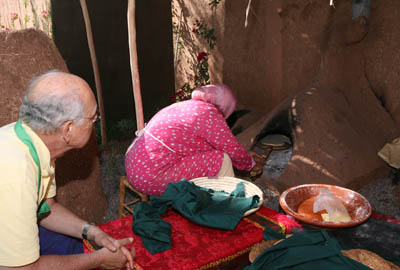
{"x":323,"y":44}
{"x":28,"y":53}
{"x":334,"y":77}
{"x":280,"y":47}
{"x":248,"y":51}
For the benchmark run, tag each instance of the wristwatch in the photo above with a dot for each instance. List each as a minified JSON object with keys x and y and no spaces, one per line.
{"x":86,"y":229}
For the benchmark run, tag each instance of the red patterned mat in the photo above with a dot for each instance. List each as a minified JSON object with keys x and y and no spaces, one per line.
{"x":199,"y":247}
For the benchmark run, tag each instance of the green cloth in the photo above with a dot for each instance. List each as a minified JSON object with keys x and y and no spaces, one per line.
{"x":270,"y":234}
{"x":203,"y":206}
{"x":305,"y":250}
{"x":44,"y":207}
{"x":154,"y":232}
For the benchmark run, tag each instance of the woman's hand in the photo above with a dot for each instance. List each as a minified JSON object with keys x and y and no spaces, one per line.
{"x":259,"y":166}
{"x":257,"y":170}
{"x":257,"y":157}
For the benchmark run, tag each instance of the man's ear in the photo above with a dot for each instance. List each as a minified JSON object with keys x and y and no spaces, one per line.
{"x":66,"y":131}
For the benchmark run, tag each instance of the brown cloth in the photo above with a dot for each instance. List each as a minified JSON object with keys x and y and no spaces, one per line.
{"x":391,"y":153}
{"x":363,"y":256}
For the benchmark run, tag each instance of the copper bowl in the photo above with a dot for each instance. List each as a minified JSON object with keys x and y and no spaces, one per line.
{"x":357,"y":205}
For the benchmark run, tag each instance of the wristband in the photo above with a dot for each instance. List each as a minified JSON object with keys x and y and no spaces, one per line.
{"x":85,"y":230}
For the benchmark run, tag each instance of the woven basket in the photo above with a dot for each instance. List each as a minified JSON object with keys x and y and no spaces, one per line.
{"x":228,"y":184}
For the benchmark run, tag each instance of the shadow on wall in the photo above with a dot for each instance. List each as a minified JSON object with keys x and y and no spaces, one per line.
{"x":329,"y":139}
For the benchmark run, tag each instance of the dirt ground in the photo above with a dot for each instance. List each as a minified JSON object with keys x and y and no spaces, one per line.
{"x":111,"y":169}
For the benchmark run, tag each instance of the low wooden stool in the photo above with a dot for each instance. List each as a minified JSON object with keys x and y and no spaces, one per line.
{"x":123,"y":184}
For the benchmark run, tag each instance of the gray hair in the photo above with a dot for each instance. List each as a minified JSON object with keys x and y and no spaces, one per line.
{"x":47,"y":112}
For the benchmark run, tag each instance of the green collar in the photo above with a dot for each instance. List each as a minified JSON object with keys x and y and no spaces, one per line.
{"x":26,"y":139}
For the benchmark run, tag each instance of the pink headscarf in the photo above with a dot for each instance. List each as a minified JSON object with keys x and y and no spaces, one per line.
{"x":218,"y":94}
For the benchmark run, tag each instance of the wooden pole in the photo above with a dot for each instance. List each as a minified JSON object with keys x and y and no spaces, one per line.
{"x":134,"y":64}
{"x":95,"y":71}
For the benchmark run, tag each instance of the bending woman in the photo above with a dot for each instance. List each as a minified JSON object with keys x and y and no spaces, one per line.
{"x":188,"y":139}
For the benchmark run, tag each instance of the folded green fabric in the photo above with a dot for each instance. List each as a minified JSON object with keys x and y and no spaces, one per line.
{"x":306,"y":250}
{"x":206,"y":206}
{"x":203,"y":206}
{"x":154,"y":232}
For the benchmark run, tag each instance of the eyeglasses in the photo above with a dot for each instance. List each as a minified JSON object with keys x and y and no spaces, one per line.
{"x":94,"y":118}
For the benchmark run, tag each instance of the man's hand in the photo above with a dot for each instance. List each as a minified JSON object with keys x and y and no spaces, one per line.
{"x":104,"y":240}
{"x":120,"y":258}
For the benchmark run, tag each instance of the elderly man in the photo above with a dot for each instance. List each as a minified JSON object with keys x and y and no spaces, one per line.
{"x":57,"y":115}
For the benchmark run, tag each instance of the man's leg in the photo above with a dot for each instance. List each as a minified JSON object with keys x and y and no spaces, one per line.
{"x":52,"y":243}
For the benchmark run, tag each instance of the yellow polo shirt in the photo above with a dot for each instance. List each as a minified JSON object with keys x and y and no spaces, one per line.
{"x":19,"y":200}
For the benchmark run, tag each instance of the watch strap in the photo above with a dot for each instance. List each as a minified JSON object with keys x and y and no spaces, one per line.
{"x":85,"y":230}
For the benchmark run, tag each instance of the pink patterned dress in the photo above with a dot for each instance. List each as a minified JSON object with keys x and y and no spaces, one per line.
{"x":184,"y":140}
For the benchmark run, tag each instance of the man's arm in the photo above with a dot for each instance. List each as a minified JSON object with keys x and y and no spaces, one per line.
{"x":63,"y":221}
{"x":102,"y":258}
{"x":113,"y":256}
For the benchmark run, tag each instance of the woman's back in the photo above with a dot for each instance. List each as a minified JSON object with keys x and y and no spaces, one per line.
{"x":184,"y":140}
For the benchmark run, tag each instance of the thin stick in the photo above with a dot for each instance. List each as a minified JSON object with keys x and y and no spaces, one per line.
{"x":95,"y":71}
{"x":177,"y":43}
{"x":122,"y":189}
{"x":134,"y":64}
{"x":247,"y":13}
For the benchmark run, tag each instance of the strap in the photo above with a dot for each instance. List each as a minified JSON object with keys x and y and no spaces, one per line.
{"x":26,"y":139}
{"x":139,"y":133}
{"x":86,"y":230}
{"x":157,"y":139}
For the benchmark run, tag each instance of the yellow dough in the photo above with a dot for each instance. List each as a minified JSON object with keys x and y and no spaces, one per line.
{"x":336,"y":217}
